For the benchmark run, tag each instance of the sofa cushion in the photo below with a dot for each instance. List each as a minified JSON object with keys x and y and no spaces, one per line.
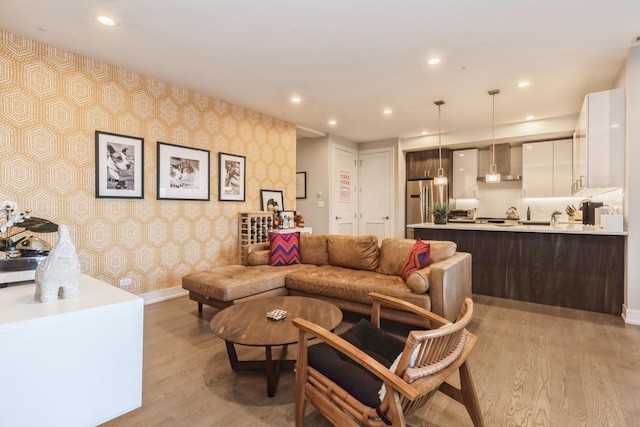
{"x":233,"y":282}
{"x":347,"y":373}
{"x":284,"y":248}
{"x":258,"y":257}
{"x":418,"y":258}
{"x":351,"y":285}
{"x":314,"y":249}
{"x":393,"y":255}
{"x":355,"y":252}
{"x":418,"y":281}
{"x":441,"y":249}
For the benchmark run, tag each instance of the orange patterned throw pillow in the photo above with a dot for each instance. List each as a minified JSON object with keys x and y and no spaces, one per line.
{"x":284,"y":248}
{"x":419,"y":258}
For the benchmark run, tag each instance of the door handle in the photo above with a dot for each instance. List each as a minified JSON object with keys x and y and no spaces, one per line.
{"x":338,"y":217}
{"x":385,"y":217}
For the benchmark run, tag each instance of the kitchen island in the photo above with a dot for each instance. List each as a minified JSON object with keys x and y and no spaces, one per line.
{"x":566,"y":265}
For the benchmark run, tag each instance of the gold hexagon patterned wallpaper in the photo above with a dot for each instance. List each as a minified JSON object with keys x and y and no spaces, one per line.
{"x":53,"y":101}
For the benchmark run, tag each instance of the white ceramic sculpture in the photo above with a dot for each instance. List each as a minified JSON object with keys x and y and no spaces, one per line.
{"x":58,"y":275}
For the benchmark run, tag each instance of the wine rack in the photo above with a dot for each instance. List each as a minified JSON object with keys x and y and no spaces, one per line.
{"x":253,"y":228}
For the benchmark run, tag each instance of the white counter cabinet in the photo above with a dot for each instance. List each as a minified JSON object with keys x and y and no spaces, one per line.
{"x":71,"y":362}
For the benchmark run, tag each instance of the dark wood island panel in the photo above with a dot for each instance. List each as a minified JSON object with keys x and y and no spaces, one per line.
{"x":582,"y":271}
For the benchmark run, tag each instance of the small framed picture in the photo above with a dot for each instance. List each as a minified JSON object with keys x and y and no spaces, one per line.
{"x":231,"y":177}
{"x":183,"y":172}
{"x":287,"y":214}
{"x":119,"y":166}
{"x":301,"y":185}
{"x":271,"y":200}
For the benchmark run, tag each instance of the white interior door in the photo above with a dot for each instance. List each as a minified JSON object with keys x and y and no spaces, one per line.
{"x":344,"y":178}
{"x":376,"y":192}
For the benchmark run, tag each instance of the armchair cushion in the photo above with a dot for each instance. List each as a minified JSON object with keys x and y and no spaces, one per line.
{"x":354,"y":379}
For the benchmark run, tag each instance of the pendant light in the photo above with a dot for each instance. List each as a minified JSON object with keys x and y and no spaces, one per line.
{"x":493,"y":177}
{"x":440,"y":179}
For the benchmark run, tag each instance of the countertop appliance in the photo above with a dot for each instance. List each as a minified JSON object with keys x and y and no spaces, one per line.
{"x":422,"y":195}
{"x":589,"y":212}
{"x":462,"y":216}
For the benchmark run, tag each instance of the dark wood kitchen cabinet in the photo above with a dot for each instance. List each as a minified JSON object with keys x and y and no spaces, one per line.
{"x":581,"y":271}
{"x":424,"y":164}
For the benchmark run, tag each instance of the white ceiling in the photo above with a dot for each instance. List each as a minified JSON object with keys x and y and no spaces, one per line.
{"x":350,"y":59}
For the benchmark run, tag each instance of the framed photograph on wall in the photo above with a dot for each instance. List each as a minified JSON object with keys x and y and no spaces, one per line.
{"x":183,"y":172}
{"x":301,"y":185}
{"x":231,"y":177}
{"x":271,"y":200}
{"x":119,"y":166}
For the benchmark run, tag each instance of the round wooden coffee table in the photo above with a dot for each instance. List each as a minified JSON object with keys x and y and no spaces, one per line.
{"x":246,"y":323}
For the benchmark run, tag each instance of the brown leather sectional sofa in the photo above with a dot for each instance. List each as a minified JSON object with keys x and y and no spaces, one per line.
{"x":343,"y":270}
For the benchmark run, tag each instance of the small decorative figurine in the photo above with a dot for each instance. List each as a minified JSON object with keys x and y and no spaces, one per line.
{"x":59,"y":274}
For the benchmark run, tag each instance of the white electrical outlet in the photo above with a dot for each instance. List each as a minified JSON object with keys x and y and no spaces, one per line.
{"x":125,"y":282}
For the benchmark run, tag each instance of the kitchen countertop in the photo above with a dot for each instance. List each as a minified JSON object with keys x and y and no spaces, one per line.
{"x":567,"y":228}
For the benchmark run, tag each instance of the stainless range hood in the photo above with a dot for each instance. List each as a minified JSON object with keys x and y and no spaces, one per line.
{"x":508,"y":170}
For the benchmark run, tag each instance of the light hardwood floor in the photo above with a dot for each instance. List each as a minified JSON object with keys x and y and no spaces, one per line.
{"x":534,"y":366}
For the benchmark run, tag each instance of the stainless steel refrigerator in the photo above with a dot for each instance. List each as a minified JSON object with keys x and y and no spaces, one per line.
{"x":422,"y":194}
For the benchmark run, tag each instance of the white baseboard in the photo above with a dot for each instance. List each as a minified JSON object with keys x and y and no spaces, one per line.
{"x":163,"y":295}
{"x":631,"y":317}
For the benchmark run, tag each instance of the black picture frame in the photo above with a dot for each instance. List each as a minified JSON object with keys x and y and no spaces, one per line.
{"x":119,"y":166}
{"x":301,"y":185}
{"x":232,"y":175}
{"x":271,"y":198}
{"x":183,"y":173}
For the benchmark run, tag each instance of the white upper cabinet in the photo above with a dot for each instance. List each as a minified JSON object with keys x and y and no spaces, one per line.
{"x":537,"y":169}
{"x":546,"y":169}
{"x":465,"y":174}
{"x":598,"y":143}
{"x":562,"y":167}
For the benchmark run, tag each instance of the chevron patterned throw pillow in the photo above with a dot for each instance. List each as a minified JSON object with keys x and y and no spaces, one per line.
{"x":284,"y":248}
{"x":418,"y":258}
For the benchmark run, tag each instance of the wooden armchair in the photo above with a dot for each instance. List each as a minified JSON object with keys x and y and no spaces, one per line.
{"x":426,"y":359}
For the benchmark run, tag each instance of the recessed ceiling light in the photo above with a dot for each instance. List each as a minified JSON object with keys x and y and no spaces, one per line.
{"x":523,"y":84}
{"x":424,"y":132}
{"x":332,"y":122}
{"x":105,"y":20}
{"x":387,"y":111}
{"x":529,"y":118}
{"x":296,"y":99}
{"x":433,"y":61}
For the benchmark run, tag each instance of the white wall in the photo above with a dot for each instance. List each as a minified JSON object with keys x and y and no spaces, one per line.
{"x":312,"y":157}
{"x":630,"y":77}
